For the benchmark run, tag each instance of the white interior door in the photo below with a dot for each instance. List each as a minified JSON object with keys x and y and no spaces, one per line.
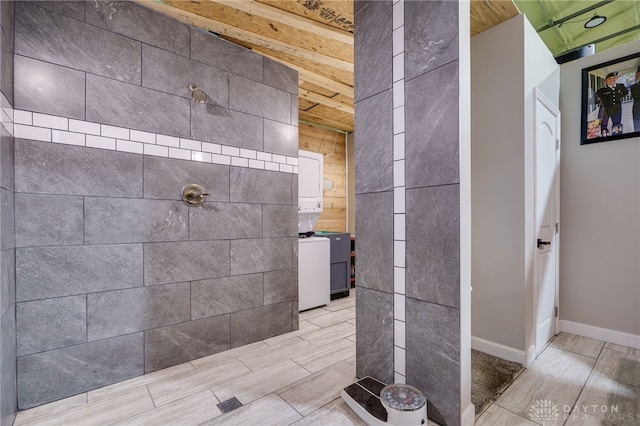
{"x":547,"y":148}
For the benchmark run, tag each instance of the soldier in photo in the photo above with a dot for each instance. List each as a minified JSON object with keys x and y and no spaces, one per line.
{"x":611,"y":96}
{"x":635,"y":94}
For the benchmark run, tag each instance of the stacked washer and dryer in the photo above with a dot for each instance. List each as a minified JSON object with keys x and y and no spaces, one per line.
{"x":314,"y":273}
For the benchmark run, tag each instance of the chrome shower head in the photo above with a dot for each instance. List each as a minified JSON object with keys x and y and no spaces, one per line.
{"x":197,"y":94}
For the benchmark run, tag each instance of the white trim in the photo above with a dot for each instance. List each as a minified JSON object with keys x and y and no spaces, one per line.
{"x":530,"y":356}
{"x":599,"y":333}
{"x":131,"y":140}
{"x":500,"y":350}
{"x":468,"y":415}
{"x":464,"y":152}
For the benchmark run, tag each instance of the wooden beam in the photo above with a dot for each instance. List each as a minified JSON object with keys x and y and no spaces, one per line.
{"x":322,"y":81}
{"x":240,"y":34}
{"x":314,"y":118}
{"x":313,"y":78}
{"x":288,"y":18}
{"x":319,"y":99}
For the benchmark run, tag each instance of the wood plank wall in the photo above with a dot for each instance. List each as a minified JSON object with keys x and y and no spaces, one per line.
{"x":316,"y":139}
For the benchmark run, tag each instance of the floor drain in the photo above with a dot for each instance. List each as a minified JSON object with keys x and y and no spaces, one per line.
{"x":229,"y":405}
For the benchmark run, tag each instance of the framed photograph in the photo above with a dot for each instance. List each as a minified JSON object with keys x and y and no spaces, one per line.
{"x":611,"y":100}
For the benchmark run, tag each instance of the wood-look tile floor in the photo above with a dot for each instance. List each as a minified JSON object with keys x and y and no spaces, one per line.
{"x":574,"y":381}
{"x":296,"y":379}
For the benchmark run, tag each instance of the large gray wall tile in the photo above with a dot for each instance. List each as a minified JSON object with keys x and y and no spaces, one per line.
{"x":139,"y":23}
{"x":374,"y":143}
{"x":295,"y":115}
{"x":259,"y":186}
{"x":280,"y":286}
{"x":7,"y":65}
{"x":57,"y":374}
{"x":260,"y":255}
{"x":7,"y":159}
{"x":431,"y":141}
{"x":48,"y":324}
{"x":121,"y":104}
{"x":8,"y":402}
{"x":294,"y":189}
{"x":7,"y":280}
{"x":223,"y":221}
{"x":374,"y":331}
{"x":114,"y":313}
{"x":170,"y":73}
{"x":430,"y":37}
{"x":373,"y":48}
{"x":212,"y":50}
{"x":165,"y":177}
{"x":274,"y":104}
{"x":72,"y":9}
{"x":48,"y":88}
{"x":61,"y":169}
{"x":48,"y":220}
{"x":224,"y":295}
{"x":280,"y":138}
{"x":185,"y":342}
{"x":185,"y":261}
{"x":433,"y":357}
{"x":46,"y":272}
{"x":280,"y":220}
{"x":433,"y":244}
{"x":7,"y":220}
{"x":374,"y":227}
{"x":280,"y":76}
{"x":48,"y":36}
{"x":220,"y":125}
{"x":260,"y":323}
{"x":7,"y":14}
{"x":122,"y":220}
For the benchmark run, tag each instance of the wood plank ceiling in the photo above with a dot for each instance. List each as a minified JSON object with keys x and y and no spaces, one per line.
{"x":314,"y":37}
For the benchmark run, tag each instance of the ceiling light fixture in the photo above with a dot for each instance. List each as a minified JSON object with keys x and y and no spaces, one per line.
{"x":595,"y":21}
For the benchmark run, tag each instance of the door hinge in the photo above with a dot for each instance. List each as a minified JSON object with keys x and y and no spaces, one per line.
{"x":557,"y":143}
{"x":557,"y":227}
{"x":556,"y":312}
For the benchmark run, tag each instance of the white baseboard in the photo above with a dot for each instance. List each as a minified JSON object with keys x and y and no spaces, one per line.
{"x":468,"y":416}
{"x":598,"y":333}
{"x":499,"y":350}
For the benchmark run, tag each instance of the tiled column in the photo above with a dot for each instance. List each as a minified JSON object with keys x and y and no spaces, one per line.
{"x":407,"y":140}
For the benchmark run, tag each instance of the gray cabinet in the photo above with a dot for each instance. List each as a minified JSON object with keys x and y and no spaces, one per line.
{"x":340,"y":254}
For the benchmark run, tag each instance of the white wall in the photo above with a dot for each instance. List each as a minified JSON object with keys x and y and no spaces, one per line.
{"x":507,"y":63}
{"x":497,"y":155}
{"x":599,"y":217}
{"x":541,"y":71}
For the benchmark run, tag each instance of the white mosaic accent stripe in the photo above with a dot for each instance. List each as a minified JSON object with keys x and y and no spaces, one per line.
{"x":399,"y":189}
{"x":51,"y":128}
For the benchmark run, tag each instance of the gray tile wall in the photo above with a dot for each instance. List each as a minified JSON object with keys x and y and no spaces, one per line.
{"x":431,"y":176}
{"x":374,"y":189}
{"x":116,"y":275}
{"x":8,"y":348}
{"x":138,"y":73}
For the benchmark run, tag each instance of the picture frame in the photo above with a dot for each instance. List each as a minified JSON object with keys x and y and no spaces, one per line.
{"x":611,"y":93}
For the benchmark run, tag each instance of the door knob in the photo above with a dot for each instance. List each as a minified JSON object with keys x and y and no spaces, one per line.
{"x":543,"y":243}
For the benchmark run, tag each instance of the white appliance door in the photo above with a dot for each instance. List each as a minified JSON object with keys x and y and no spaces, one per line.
{"x":313,"y":272}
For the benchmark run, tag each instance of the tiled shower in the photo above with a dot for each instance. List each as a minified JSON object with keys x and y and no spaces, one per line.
{"x":115,"y":275}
